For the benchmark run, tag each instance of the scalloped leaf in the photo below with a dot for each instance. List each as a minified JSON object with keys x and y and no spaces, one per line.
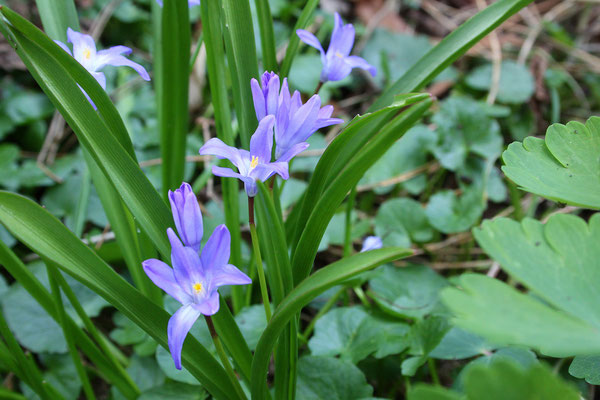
{"x":560,"y":263}
{"x":565,"y":167}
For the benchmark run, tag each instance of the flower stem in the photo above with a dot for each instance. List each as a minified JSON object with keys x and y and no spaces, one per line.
{"x":259,"y":265}
{"x":223,"y":356}
{"x":319,"y":86}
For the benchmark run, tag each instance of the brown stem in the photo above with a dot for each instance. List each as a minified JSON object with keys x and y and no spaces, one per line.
{"x":251,"y":210}
{"x":211,"y":326}
{"x":319,"y":86}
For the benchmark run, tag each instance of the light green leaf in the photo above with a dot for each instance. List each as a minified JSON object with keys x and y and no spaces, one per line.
{"x":353,"y":334}
{"x":586,"y":367}
{"x":424,"y":392}
{"x":424,"y":336}
{"x":410,"y":292}
{"x":398,"y":218}
{"x":501,"y":314}
{"x":564,"y":167}
{"x":516,"y":84}
{"x":25,"y":107}
{"x":146,"y":374}
{"x":331,"y":379}
{"x":61,"y":374}
{"x":166,"y":364}
{"x":458,"y":344}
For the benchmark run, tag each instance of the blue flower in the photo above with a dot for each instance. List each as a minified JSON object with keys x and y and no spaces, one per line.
{"x":337,"y":61}
{"x":295,"y":122}
{"x":371,"y":243}
{"x":254,"y":165}
{"x":187,"y":215}
{"x":193,"y":281}
{"x":84,"y":51}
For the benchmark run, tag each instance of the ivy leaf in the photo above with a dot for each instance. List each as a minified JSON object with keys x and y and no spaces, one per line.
{"x":401,"y":221}
{"x":411,"y":292}
{"x":516,"y":84}
{"x":450,"y":213}
{"x":564,"y":167}
{"x":353,"y":334}
{"x":586,"y":367}
{"x":331,"y":379}
{"x":463,"y":128}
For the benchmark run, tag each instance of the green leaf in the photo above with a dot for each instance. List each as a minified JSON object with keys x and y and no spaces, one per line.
{"x":145,"y":372}
{"x":267,"y":37}
{"x":562,"y":168}
{"x":57,"y":16}
{"x":586,"y":367}
{"x":458,"y":344}
{"x":411,"y":292}
{"x":450,"y":213}
{"x":516,"y":84}
{"x":172,"y":91}
{"x":241,"y":54}
{"x":463,"y":128}
{"x":61,"y":374}
{"x":450,"y":49}
{"x":502,"y":315}
{"x":303,"y":294}
{"x":330,"y":378}
{"x":352,"y":333}
{"x":424,"y":392}
{"x":425,"y":336}
{"x":165,"y":362}
{"x":402,"y":221}
{"x":292,"y":48}
{"x":26,"y":107}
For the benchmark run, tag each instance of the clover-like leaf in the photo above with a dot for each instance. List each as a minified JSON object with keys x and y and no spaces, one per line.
{"x":564,"y":167}
{"x":586,"y":367}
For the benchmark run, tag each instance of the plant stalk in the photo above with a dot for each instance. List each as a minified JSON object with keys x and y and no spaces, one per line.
{"x":259,"y":265}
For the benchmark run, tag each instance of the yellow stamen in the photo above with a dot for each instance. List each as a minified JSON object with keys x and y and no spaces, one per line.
{"x":338,"y":54}
{"x":87,"y":54}
{"x":197,"y":287}
{"x":254,"y":162}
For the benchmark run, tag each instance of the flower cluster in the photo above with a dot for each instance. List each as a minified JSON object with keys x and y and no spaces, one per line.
{"x":194,"y":279}
{"x":281,"y":115}
{"x":84,"y":51}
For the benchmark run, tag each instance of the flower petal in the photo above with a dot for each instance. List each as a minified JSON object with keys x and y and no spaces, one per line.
{"x":114,"y":57}
{"x":258,"y":98}
{"x":187,"y":215}
{"x":272,"y":95}
{"x":210,"y":305}
{"x":180,"y":324}
{"x":371,"y":243}
{"x":186,"y":263}
{"x":303,"y":121}
{"x":163,"y":276}
{"x":261,"y":142}
{"x":337,"y":68}
{"x":217,"y":249}
{"x":359,"y":62}
{"x":342,"y":38}
{"x":229,"y":275}
{"x":101,"y":78}
{"x":264,"y":171}
{"x":310,"y":40}
{"x":216,"y":147}
{"x":84,"y":48}
{"x":292,"y":152}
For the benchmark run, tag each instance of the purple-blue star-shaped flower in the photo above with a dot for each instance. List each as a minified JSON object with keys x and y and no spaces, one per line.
{"x":194,"y":279}
{"x":84,"y":51}
{"x":190,"y":3}
{"x":295,"y":122}
{"x":371,"y":243}
{"x":254,"y":165}
{"x":187,"y":215}
{"x":337,"y":61}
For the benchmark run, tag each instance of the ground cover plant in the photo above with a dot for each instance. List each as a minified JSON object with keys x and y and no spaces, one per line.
{"x":267,"y":199}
